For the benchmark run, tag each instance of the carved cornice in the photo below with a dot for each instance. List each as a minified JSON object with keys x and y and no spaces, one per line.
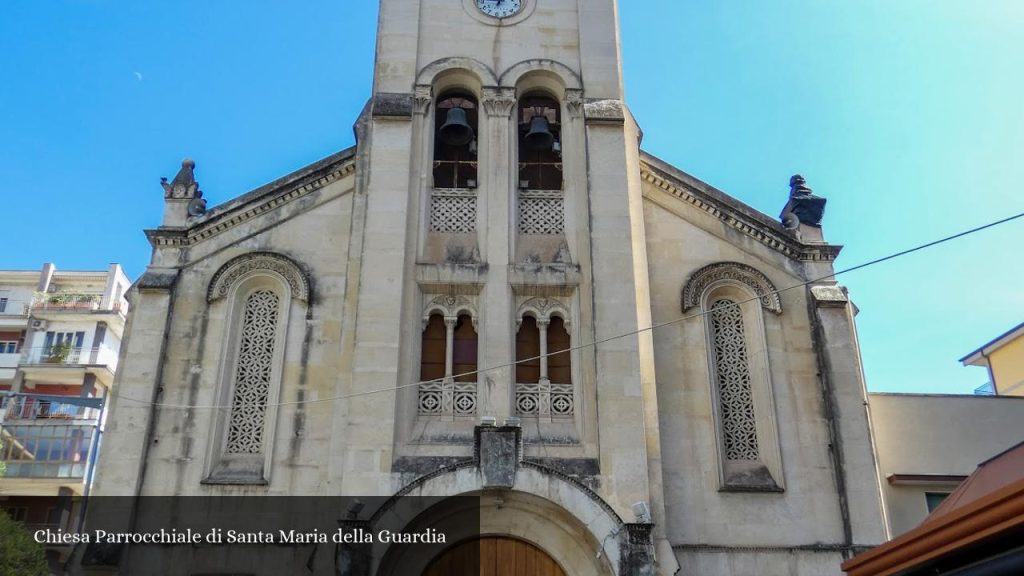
{"x":499,"y":101}
{"x":776,"y":239}
{"x":750,"y":277}
{"x":230,"y":273}
{"x":226,"y":217}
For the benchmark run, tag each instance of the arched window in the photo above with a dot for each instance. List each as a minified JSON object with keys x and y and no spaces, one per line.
{"x":528,"y":352}
{"x":733,"y":297}
{"x":544,"y":361}
{"x":448,"y":359}
{"x":560,"y":362}
{"x":456,"y":122}
{"x":260,"y":290}
{"x":464,"y":353}
{"x":540,"y":145}
{"x":432,"y":353}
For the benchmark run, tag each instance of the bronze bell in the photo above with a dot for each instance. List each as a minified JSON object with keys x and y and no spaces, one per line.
{"x":539,"y":136}
{"x":456,"y":130}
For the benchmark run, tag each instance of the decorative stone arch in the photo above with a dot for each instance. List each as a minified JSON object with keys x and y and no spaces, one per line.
{"x":556,"y":513}
{"x":450,"y":307}
{"x":732,"y":298}
{"x":246,"y":265}
{"x":567,"y":77}
{"x":714,"y":275}
{"x":262,"y":292}
{"x":544,"y":308}
{"x":429,"y":74}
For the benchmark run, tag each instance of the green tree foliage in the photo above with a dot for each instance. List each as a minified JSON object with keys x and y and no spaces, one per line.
{"x":20,"y":555}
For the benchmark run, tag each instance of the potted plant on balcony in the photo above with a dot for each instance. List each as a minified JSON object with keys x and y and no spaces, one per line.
{"x":60,"y":298}
{"x":58,"y":353}
{"x":90,"y":301}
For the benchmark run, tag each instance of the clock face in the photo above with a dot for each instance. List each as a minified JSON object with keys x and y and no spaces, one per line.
{"x":499,"y":8}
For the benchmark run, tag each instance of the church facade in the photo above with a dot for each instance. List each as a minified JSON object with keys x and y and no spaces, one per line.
{"x":498,"y":259}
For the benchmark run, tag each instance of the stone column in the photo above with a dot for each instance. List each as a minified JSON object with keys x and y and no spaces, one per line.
{"x":845,"y":395}
{"x":449,"y":347}
{"x":122,"y":464}
{"x":385,"y":311}
{"x":542,"y":327}
{"x":626,"y":385}
{"x":497,"y":302}
{"x":544,"y":382}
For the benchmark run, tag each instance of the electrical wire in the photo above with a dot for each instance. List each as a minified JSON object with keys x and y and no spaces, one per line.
{"x":595,"y":342}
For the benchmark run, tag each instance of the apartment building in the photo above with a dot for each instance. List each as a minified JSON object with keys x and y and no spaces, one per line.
{"x":60,"y":333}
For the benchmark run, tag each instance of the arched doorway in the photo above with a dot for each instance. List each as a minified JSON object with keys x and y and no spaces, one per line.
{"x":494,"y":556}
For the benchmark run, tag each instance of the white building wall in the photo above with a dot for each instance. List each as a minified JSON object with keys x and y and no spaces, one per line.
{"x":925,"y":434}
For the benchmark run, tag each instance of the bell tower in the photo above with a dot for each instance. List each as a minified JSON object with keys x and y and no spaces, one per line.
{"x":505,"y":242}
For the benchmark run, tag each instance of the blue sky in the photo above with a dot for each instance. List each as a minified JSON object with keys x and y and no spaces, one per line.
{"x":907,"y":114}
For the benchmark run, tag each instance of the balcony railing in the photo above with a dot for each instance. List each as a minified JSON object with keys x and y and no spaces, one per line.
{"x":72,"y":302}
{"x":14,"y":307}
{"x":38,"y":407}
{"x":10,"y":360}
{"x":59,"y":355}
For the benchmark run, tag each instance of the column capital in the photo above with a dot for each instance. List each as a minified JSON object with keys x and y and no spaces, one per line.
{"x":499,"y":101}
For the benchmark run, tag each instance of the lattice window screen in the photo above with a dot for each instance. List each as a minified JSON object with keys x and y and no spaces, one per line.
{"x":252,"y":374}
{"x":541,"y":212}
{"x":453,"y":211}
{"x":739,"y":428}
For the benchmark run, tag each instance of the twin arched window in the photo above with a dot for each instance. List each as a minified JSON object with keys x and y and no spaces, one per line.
{"x":448,"y":359}
{"x":449,"y":350}
{"x":539,"y":141}
{"x":542,"y":351}
{"x":543,"y":371}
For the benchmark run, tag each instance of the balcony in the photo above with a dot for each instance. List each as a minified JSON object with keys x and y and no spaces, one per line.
{"x":66,"y":301}
{"x":8,"y":364}
{"x":48,"y":442}
{"x":58,"y":355}
{"x":14,"y":307}
{"x":65,"y":365}
{"x":39,"y":408}
{"x":68,"y":306}
{"x":14,"y":313}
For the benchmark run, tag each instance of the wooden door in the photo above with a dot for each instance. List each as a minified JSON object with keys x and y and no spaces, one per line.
{"x":494,"y":556}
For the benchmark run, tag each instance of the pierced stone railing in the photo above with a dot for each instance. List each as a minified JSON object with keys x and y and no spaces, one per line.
{"x":545,"y":400}
{"x":448,"y":398}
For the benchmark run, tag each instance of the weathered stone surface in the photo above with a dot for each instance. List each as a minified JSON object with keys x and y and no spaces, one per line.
{"x":387,"y":105}
{"x":498,"y":452}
